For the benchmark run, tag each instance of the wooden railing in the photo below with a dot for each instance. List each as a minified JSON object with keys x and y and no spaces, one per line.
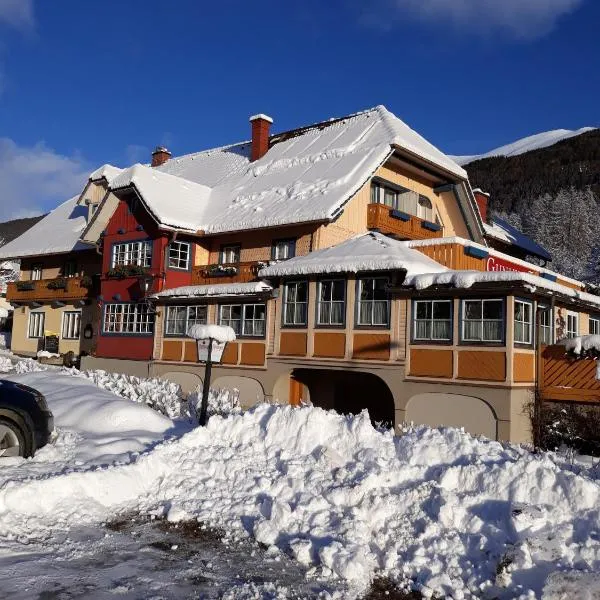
{"x":562,"y":377}
{"x":242,"y":272}
{"x":393,"y":222}
{"x":44,"y":290}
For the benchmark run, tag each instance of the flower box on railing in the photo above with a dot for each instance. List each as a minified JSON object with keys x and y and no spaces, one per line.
{"x":60,"y":283}
{"x":25,"y":286}
{"x":430,"y":226}
{"x":124,"y":271}
{"x":221,"y":270}
{"x":400,"y":215}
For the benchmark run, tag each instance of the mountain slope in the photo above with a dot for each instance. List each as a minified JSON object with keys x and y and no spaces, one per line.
{"x":526,"y":144}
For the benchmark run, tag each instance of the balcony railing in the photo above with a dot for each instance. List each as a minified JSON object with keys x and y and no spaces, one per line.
{"x":400,"y":224}
{"x":48,"y":290}
{"x":242,"y":272}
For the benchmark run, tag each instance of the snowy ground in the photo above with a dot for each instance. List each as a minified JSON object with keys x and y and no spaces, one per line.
{"x":314,"y":504}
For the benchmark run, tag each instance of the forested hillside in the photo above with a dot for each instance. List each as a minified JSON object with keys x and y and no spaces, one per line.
{"x":552,"y":195}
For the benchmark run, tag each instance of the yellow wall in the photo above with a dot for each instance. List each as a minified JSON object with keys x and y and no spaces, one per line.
{"x":22,"y":344}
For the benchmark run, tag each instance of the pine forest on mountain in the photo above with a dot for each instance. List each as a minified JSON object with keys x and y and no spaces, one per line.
{"x":552,"y":195}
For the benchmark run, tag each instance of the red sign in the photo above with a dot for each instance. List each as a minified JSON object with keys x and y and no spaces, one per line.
{"x":498,"y":264}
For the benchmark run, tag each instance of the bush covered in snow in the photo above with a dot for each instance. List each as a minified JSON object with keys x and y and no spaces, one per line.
{"x":5,"y":364}
{"x":161,"y":395}
{"x":220,"y":402}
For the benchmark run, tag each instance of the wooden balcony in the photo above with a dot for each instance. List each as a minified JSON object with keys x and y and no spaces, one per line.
{"x":59,"y":289}
{"x":401,"y":225}
{"x":242,"y":272}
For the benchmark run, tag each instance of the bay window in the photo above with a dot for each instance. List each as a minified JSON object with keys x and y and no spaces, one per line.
{"x":483,"y":321}
{"x":132,"y":253}
{"x":245,"y":319}
{"x":295,"y":303}
{"x":181,"y":318}
{"x":523,"y":322}
{"x":132,"y":318}
{"x":373,"y":303}
{"x":432,"y":320}
{"x":331,"y":302}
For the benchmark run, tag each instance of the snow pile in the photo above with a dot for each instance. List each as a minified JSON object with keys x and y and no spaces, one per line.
{"x":458,"y":516}
{"x":28,"y":365}
{"x":161,"y":395}
{"x":5,"y":364}
{"x":583,"y":344}
{"x":95,"y":427}
{"x":46,"y":354}
{"x":221,"y":402}
{"x":219,"y":333}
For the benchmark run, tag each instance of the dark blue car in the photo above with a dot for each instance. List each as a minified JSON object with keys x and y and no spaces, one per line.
{"x":26,"y":423}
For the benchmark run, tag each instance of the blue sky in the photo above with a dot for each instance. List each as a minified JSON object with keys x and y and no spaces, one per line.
{"x":84,"y":83}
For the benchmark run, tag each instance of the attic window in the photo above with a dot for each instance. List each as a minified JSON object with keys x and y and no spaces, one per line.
{"x":402,"y":199}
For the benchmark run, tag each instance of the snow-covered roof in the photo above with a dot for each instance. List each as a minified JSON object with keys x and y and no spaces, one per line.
{"x":216,"y":290}
{"x":503,"y":231}
{"x":466,"y":279}
{"x":366,"y":252}
{"x":58,"y":232}
{"x":306,"y":176}
{"x":491,"y":251}
{"x":107,"y":171}
{"x":173,"y":201}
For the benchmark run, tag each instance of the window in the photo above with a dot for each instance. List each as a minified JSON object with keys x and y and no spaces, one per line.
{"x":483,"y":320}
{"x":433,"y":320}
{"x":70,"y":269}
{"x":230,"y":254}
{"x":244,"y":319}
{"x":331,"y":302}
{"x":572,"y":329}
{"x":36,"y":324}
{"x":36,"y":272}
{"x":545,"y":325}
{"x":127,"y":318}
{"x":181,"y":318}
{"x":71,"y":325}
{"x":523,"y":322}
{"x":424,"y":208}
{"x":373,"y":302}
{"x":179,"y":255}
{"x":594,"y":325}
{"x":132,"y":253}
{"x":295,"y":303}
{"x":283,"y":249}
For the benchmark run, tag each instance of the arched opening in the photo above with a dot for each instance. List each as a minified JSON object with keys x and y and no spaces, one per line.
{"x":453,"y":410}
{"x":349,"y":392}
{"x":250,"y":390}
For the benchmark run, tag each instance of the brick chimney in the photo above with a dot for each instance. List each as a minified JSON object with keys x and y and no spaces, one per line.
{"x":160,"y":156}
{"x":482,"y":198}
{"x":260,"y":136}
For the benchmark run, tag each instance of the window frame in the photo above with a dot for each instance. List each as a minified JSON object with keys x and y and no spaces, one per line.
{"x":188,"y":261}
{"x":431,"y":341}
{"x":318,"y":303}
{"x":43,"y":324}
{"x":532,"y":328}
{"x":544,"y":309}
{"x":284,"y":302}
{"x":461,"y":314}
{"x":575,"y":315}
{"x":65,"y":317}
{"x":146,"y":243}
{"x":37,"y":267}
{"x":243,"y":306}
{"x":222,"y":250}
{"x":596,"y":318}
{"x":150,"y":320}
{"x":291,"y":244}
{"x":70,"y":269}
{"x":357,"y":303}
{"x":187,"y":308}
